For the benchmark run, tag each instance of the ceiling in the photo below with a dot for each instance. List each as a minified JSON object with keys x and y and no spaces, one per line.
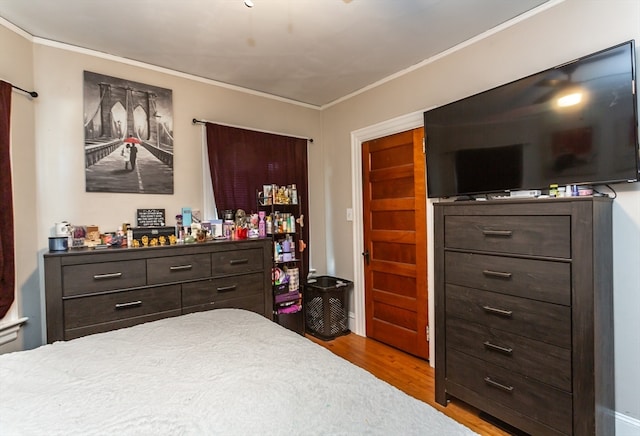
{"x":309,"y":51}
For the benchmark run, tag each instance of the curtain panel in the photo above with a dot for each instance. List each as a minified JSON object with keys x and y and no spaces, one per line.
{"x":7,"y":266}
{"x":242,"y":161}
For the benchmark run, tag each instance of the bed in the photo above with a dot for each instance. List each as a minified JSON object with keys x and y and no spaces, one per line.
{"x":220,"y":372}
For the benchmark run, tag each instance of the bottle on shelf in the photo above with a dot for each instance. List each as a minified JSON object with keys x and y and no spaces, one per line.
{"x":262,"y":228}
{"x":280,"y":225}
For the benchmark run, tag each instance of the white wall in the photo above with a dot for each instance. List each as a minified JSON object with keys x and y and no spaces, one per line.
{"x":562,"y":32}
{"x":59,"y":136}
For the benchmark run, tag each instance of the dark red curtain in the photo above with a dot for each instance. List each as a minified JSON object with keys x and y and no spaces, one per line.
{"x":242,"y":161}
{"x":7,"y":267}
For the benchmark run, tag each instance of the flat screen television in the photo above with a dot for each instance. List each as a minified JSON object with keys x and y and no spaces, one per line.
{"x":574,"y":124}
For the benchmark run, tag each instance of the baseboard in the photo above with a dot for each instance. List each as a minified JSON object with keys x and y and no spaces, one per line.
{"x":626,"y":425}
{"x":9,"y":330}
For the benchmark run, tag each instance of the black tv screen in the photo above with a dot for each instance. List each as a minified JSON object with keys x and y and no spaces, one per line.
{"x":574,"y":124}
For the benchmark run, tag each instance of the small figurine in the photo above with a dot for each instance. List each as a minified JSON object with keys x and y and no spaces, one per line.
{"x":201,"y":235}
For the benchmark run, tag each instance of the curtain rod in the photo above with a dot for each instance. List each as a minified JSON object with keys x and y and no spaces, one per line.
{"x":196,"y":121}
{"x":31,"y":93}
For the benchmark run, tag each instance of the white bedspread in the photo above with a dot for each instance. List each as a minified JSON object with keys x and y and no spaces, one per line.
{"x":222,"y":372}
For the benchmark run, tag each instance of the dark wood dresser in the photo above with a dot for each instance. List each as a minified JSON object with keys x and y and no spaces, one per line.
{"x":91,"y":291}
{"x":524,"y":312}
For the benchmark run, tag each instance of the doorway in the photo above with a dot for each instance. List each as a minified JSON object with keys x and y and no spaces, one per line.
{"x":395,"y":241}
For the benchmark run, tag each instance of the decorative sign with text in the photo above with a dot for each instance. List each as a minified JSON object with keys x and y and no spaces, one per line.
{"x":150,"y":218}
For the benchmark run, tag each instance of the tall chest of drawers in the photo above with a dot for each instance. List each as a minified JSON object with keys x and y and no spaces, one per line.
{"x":524,"y":312}
{"x":91,"y":291}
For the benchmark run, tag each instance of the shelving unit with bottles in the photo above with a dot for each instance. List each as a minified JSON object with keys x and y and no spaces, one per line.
{"x":280,"y":211}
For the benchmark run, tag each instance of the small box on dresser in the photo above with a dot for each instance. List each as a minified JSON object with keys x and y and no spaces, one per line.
{"x":524,"y":312}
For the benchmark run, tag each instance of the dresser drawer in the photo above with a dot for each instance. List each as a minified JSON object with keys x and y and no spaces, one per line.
{"x":98,"y":309}
{"x":538,"y":401}
{"x":178,"y":268}
{"x":238,"y":261}
{"x":214,"y":292}
{"x":544,"y":362}
{"x":535,"y":279}
{"x":252,"y":302}
{"x":527,"y":235}
{"x":546,"y":322}
{"x":97,"y":277}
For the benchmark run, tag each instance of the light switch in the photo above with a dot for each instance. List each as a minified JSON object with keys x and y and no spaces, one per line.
{"x":349,"y":214}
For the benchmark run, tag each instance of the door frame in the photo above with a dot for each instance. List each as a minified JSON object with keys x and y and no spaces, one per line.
{"x":384,"y":128}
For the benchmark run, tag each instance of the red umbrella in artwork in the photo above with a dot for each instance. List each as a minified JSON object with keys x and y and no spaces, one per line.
{"x":131,"y":140}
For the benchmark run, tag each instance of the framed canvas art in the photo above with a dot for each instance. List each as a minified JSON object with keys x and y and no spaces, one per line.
{"x":128,"y":136}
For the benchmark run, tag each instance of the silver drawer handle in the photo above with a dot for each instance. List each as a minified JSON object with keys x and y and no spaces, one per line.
{"x":504,"y":233}
{"x":128,"y":305}
{"x":495,"y":347}
{"x":498,"y":385}
{"x":180,"y":267}
{"x":107,"y":276}
{"x":500,"y":274}
{"x":227,"y":288}
{"x":497,"y":311}
{"x":238,"y":261}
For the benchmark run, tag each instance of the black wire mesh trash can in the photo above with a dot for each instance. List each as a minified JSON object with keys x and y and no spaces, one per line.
{"x":327,"y":307}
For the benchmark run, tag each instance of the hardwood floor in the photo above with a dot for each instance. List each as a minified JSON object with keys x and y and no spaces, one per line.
{"x":412,"y":375}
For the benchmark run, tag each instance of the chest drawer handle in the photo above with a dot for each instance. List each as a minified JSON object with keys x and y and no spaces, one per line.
{"x":504,"y":233}
{"x":107,"y":276}
{"x":238,"y":261}
{"x":227,"y":288}
{"x":495,"y":347}
{"x":494,"y":383}
{"x":500,"y":274}
{"x":496,"y":311}
{"x":129,"y":305}
{"x":180,"y":267}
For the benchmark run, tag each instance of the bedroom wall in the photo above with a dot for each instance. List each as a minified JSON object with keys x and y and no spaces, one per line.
{"x":58,"y":74}
{"x":16,"y":67}
{"x":50,"y":164}
{"x":561,"y":32}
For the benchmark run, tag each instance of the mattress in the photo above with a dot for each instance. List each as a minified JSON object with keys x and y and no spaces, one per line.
{"x":221,"y":372}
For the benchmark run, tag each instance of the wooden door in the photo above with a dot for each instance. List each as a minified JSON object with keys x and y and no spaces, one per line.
{"x":395,"y":241}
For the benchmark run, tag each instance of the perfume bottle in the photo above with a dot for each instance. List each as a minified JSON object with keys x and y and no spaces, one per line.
{"x":262,"y":230}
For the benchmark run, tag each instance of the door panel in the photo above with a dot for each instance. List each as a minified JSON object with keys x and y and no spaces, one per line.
{"x":394,"y":194}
